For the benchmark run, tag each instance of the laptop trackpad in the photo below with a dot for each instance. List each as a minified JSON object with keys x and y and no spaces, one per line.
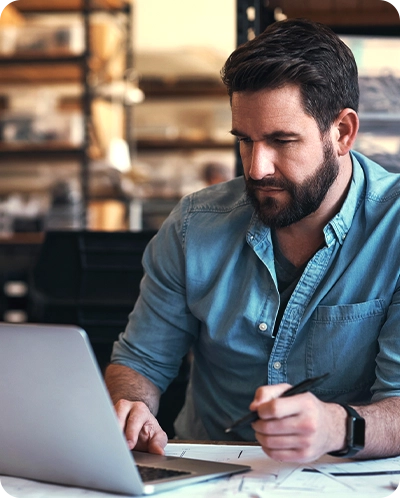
{"x":143,"y":458}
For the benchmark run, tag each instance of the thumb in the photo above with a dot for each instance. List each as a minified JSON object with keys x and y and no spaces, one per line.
{"x":267,"y":393}
{"x":158,"y":442}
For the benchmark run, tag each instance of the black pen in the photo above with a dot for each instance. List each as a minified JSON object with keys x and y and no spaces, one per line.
{"x":302,"y":387}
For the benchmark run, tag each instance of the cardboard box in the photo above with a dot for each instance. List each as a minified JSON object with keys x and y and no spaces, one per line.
{"x":107,"y":215}
{"x":105,"y":39}
{"x":108,"y":49}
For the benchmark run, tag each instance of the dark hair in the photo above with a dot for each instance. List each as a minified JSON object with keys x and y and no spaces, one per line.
{"x":300,"y":52}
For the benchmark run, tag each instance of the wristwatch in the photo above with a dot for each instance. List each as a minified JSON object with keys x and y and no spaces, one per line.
{"x":355,"y":435}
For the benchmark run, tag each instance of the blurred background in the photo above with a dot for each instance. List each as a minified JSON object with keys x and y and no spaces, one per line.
{"x":110,"y":112}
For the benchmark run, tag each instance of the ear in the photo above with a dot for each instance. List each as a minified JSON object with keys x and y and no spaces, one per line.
{"x":345,"y":130}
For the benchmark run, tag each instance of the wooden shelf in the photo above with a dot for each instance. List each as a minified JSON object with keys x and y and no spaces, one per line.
{"x":182,"y":144}
{"x":67,"y":5}
{"x":23,"y":238}
{"x":58,"y":57}
{"x":40,"y":71}
{"x":37,"y":68}
{"x":341,"y":12}
{"x":45,"y":149}
{"x":182,"y":87}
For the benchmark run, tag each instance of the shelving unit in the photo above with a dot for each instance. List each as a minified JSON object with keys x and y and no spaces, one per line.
{"x":181,"y":127}
{"x":182,"y":89}
{"x":73,"y":76}
{"x":55,"y":67}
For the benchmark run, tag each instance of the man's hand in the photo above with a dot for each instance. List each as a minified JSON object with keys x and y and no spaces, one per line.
{"x":141,"y":428}
{"x":135,"y":400}
{"x":297,"y":428}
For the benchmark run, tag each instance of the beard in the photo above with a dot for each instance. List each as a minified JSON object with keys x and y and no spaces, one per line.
{"x":305,"y":198}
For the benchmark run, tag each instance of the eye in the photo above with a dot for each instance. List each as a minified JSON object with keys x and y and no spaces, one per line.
{"x":280,"y":141}
{"x":245,"y":140}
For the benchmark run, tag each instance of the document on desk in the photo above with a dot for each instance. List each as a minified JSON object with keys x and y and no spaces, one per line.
{"x":327,"y":478}
{"x":268,"y":478}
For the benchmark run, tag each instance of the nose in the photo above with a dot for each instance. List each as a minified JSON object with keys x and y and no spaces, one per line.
{"x":261,"y":161}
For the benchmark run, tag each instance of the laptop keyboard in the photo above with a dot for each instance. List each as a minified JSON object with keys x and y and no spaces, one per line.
{"x":154,"y":473}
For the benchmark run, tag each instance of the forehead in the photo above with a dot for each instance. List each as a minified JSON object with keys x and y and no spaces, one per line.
{"x":269,"y":109}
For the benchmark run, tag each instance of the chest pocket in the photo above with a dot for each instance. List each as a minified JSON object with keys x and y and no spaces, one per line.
{"x":343,"y":340}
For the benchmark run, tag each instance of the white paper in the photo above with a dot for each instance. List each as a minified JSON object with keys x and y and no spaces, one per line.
{"x":328,"y":478}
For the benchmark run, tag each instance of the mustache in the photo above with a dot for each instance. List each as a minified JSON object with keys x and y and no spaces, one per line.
{"x":268,"y":182}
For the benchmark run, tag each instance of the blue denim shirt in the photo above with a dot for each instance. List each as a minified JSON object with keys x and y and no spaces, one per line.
{"x":210,"y":285}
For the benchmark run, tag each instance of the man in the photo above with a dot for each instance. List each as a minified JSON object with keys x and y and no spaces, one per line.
{"x":296,"y":277}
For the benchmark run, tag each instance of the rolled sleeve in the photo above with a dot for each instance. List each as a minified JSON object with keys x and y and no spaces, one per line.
{"x":161,"y":327}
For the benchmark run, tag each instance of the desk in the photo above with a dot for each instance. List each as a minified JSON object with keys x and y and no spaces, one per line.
{"x":328,"y":477}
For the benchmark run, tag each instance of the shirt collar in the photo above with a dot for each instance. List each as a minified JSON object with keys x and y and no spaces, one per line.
{"x":340,"y":224}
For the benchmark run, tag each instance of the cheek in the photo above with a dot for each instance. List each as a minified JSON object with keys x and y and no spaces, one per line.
{"x":299,"y":164}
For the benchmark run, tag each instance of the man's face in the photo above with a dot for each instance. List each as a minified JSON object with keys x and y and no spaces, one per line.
{"x":288,"y":167}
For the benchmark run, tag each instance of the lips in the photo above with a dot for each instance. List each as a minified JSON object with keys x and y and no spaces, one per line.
{"x":270,"y":190}
{"x":267,"y":184}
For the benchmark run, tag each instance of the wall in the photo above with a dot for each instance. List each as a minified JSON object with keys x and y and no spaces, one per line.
{"x":172,"y":24}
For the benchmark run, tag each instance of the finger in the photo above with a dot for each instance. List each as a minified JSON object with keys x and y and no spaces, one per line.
{"x":139,"y":416}
{"x":276,"y":426}
{"x":282,"y":408}
{"x":288,"y":449}
{"x":158,"y":442}
{"x":280,"y":443}
{"x":122,"y":409}
{"x":267,"y":393}
{"x":293,"y":437}
{"x":152,"y":438}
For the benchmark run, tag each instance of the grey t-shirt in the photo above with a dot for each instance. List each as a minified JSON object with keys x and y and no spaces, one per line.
{"x":287,"y":276}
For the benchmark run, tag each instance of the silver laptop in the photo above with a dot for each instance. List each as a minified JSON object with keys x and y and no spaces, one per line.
{"x":57,"y":422}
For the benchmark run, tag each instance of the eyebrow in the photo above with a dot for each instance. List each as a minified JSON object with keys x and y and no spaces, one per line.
{"x":275,"y":134}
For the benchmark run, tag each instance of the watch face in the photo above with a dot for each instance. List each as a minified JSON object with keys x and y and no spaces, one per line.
{"x":358,"y":432}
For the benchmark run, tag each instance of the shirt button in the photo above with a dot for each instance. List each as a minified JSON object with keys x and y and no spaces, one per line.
{"x":277,"y":365}
{"x":263,"y":326}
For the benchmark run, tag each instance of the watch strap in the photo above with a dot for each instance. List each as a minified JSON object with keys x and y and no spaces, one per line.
{"x":355,"y":433}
